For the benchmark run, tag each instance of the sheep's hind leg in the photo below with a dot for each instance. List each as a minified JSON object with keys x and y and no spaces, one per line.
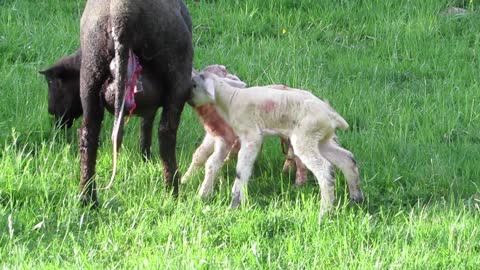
{"x":146,"y":137}
{"x":308,"y":152}
{"x":93,"y":74}
{"x":178,"y":81}
{"x":344,"y":160}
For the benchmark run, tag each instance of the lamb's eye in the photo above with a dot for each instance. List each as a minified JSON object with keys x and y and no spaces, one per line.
{"x":194,"y":85}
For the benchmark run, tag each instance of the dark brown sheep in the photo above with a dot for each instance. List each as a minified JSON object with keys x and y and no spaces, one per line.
{"x":159,"y":33}
{"x":64,"y":103}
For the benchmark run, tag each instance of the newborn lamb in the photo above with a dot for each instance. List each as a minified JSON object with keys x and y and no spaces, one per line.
{"x":221,"y":142}
{"x":256,"y":112}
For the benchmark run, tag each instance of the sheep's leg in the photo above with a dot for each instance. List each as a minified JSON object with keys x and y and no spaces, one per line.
{"x":292,"y":162}
{"x":301,"y":174}
{"x":289,"y":156}
{"x":146,"y":136}
{"x":93,"y":74}
{"x":249,"y":149}
{"x":167,"y":136}
{"x":328,"y":172}
{"x":88,"y":146}
{"x":235,"y":147}
{"x":177,"y":79}
{"x":200,"y":156}
{"x":233,"y":141}
{"x":307,"y":150}
{"x":344,"y":160}
{"x":213,"y":165}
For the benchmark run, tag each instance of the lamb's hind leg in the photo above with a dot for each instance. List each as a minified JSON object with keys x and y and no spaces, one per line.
{"x":213,"y":165}
{"x":306,"y":149}
{"x":200,"y":156}
{"x":344,"y":160}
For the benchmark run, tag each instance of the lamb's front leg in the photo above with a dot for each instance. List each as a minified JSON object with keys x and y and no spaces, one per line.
{"x":200,"y":156}
{"x":249,"y":148}
{"x":213,"y":165}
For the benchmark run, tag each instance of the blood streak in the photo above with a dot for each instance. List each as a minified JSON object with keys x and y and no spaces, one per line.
{"x":214,"y":123}
{"x":268,"y":105}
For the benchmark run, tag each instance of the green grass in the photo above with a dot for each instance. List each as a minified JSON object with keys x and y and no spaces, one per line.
{"x":404,"y":77}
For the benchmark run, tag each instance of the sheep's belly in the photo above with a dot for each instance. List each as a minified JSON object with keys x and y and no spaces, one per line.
{"x":275,"y":132}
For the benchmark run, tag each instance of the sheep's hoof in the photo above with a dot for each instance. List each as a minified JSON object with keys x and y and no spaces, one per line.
{"x":205,"y":193}
{"x":324,"y":214}
{"x":300,"y":182}
{"x":288,"y":166}
{"x":357,"y":198}
{"x":187,"y":176}
{"x":235,"y":204}
{"x":327,"y":216}
{"x":89,"y":202}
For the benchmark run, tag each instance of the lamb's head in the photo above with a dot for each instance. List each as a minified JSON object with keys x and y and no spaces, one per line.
{"x":222,"y":72}
{"x":203,"y":89}
{"x":63,"y":80}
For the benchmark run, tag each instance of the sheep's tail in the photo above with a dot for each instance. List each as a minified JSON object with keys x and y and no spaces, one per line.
{"x":337,"y":118}
{"x":340,"y":122}
{"x":121,"y":66}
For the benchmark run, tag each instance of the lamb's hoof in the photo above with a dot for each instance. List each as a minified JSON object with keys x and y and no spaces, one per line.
{"x":186,"y":177}
{"x":205,"y":193}
{"x":288,"y":166}
{"x":357,"y":198}
{"x":300,"y":182}
{"x":235,"y":204}
{"x":324,"y":214}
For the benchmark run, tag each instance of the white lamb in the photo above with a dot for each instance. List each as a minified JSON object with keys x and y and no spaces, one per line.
{"x":220,"y":139}
{"x":256,"y":112}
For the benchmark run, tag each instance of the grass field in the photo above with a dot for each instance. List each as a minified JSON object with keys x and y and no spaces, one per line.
{"x":405,"y":77}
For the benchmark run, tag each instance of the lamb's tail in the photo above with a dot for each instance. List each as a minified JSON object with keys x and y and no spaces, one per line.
{"x":338,"y":119}
{"x":121,"y":66}
{"x":340,"y":122}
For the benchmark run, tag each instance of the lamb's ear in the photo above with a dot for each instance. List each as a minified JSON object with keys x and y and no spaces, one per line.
{"x":235,"y":83}
{"x":210,"y":87}
{"x":194,"y":72}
